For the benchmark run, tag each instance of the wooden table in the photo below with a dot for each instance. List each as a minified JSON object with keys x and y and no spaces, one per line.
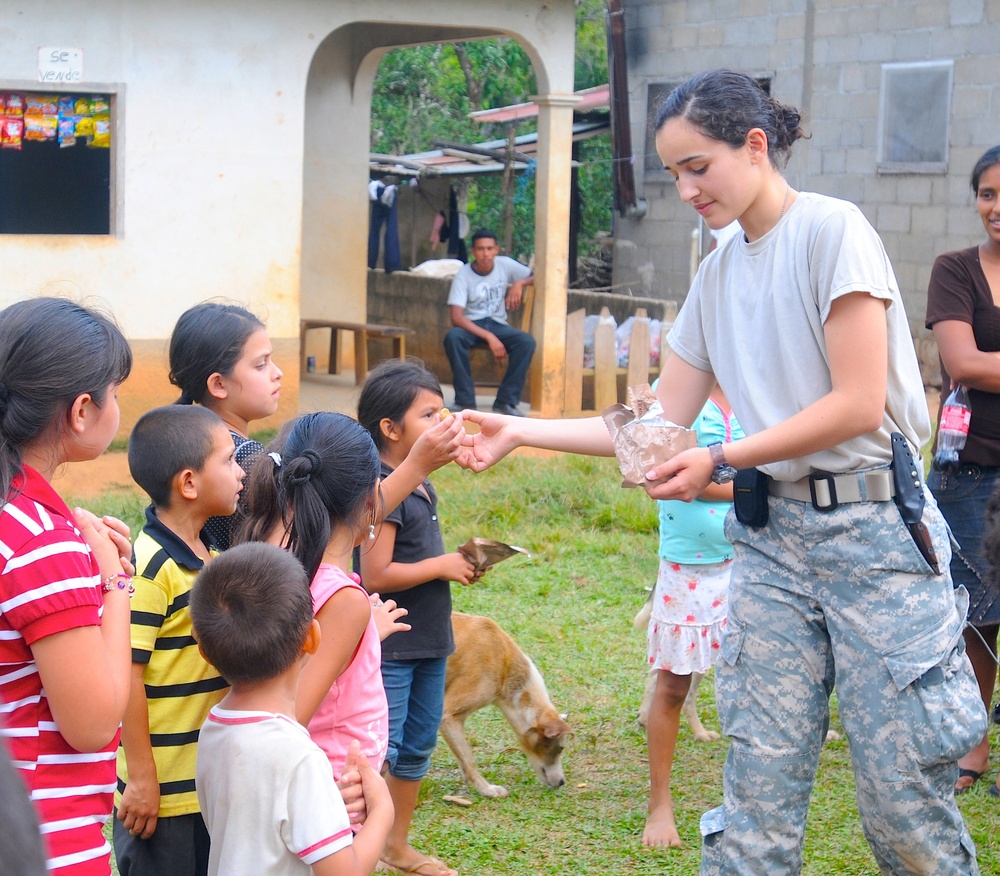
{"x":363,"y":332}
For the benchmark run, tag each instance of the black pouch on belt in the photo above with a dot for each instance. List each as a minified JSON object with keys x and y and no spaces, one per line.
{"x":750,"y":491}
{"x":910,"y":499}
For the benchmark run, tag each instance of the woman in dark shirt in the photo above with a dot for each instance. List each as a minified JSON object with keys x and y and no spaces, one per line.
{"x":962,"y":310}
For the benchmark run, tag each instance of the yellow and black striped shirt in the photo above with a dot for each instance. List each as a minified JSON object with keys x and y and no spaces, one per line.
{"x":181,"y":687}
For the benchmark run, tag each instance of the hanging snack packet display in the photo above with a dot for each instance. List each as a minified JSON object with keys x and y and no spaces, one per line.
{"x":40,"y":117}
{"x":642,"y":436}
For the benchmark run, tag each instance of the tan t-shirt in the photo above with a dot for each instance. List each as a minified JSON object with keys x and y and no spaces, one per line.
{"x":755,"y":315}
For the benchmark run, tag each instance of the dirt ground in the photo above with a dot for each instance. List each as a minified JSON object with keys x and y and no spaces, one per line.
{"x":82,"y":480}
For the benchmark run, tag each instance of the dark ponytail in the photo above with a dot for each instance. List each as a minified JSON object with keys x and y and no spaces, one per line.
{"x":319,"y":473}
{"x":51,"y":352}
{"x":725,"y":106}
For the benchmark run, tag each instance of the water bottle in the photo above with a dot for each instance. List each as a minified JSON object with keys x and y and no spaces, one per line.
{"x":953,"y":430}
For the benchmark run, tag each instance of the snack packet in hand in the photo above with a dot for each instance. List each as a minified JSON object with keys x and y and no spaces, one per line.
{"x":485,"y":552}
{"x":642,"y":436}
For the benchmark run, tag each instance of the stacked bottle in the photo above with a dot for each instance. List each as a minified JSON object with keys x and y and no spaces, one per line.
{"x":953,"y":429}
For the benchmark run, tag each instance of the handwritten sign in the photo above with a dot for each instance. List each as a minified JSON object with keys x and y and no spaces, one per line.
{"x":60,"y":65}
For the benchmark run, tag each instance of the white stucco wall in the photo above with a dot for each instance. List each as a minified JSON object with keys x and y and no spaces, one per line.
{"x":212,"y":138}
{"x":209,"y":145}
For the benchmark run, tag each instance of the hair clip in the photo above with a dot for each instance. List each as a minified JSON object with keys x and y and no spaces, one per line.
{"x":275,"y":458}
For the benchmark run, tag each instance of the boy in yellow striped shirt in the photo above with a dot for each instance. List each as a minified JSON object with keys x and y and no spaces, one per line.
{"x":183,"y":457}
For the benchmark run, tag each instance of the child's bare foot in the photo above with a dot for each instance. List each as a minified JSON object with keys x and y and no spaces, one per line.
{"x":660,"y":830}
{"x":413,"y":862}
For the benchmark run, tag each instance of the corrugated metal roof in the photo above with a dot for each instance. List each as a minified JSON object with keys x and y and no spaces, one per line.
{"x":598,"y":97}
{"x":454,"y":161}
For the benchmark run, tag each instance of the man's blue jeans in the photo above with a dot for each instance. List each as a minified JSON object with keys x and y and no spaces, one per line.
{"x":520,"y":348}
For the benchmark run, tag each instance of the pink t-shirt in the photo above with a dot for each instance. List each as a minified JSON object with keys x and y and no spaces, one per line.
{"x":355,"y":707}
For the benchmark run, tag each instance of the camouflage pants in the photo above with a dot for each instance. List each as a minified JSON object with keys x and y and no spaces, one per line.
{"x":844,"y":598}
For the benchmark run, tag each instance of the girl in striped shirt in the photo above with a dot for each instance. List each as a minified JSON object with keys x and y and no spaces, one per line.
{"x":64,"y":576}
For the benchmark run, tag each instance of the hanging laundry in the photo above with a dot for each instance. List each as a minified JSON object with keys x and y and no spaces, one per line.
{"x":383,"y":212}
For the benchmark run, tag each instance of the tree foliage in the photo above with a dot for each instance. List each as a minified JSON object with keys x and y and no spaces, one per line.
{"x":424,"y":94}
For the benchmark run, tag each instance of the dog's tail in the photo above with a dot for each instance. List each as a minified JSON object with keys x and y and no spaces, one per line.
{"x":641,"y":620}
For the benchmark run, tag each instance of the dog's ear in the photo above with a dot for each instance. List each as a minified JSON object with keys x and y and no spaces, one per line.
{"x":554,"y":728}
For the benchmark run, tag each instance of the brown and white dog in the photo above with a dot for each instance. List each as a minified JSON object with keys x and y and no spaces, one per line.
{"x":488,"y":667}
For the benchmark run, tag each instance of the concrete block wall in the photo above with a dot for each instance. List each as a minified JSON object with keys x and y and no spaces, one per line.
{"x":825,"y":57}
{"x":419,"y":303}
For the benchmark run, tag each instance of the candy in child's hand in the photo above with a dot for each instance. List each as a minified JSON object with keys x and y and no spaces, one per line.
{"x":445,"y":413}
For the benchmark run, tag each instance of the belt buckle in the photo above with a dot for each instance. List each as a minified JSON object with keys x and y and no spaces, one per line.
{"x":828,"y":478}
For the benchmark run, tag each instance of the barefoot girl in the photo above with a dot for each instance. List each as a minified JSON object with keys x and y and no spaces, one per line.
{"x":64,"y":588}
{"x":688,"y":613}
{"x":801,"y":321}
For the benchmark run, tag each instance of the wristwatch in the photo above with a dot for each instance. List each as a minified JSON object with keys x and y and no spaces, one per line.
{"x":724,"y":472}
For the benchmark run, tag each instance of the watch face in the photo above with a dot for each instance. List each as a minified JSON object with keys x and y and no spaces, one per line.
{"x":723,"y":474}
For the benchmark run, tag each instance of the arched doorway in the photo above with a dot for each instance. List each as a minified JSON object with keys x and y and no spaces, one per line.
{"x":336,"y":155}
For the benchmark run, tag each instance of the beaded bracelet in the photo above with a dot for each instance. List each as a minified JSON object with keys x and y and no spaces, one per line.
{"x":121,"y":581}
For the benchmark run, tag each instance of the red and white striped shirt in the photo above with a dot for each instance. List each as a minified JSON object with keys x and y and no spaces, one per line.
{"x":49,"y":583}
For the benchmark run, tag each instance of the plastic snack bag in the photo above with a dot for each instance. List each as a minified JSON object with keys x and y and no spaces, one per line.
{"x":102,"y":132}
{"x":38,"y":127}
{"x":642,"y":436}
{"x":67,"y":131}
{"x":11,"y":132}
{"x":85,"y":127}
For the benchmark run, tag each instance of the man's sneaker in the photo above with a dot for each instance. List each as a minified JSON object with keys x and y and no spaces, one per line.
{"x":509,"y":410}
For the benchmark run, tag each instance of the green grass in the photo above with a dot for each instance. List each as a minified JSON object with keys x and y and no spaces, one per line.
{"x":570,"y":608}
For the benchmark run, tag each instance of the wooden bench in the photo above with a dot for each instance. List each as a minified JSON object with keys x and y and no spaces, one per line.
{"x":606,"y":371}
{"x":363,"y":333}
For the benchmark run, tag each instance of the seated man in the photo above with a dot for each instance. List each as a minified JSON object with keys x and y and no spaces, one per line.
{"x":479,"y":299}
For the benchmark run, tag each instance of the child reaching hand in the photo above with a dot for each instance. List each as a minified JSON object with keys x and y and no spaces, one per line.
{"x":266,"y":789}
{"x":688,"y":613}
{"x":221,"y":357}
{"x":64,"y":588}
{"x":399,"y":402}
